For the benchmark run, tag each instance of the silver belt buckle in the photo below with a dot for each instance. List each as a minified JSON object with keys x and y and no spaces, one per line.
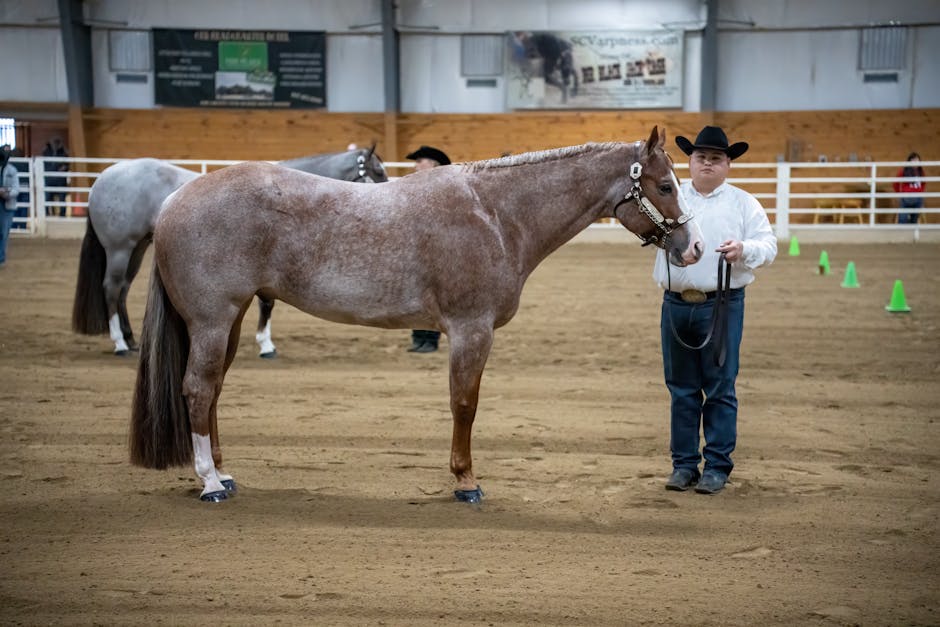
{"x":693,"y":296}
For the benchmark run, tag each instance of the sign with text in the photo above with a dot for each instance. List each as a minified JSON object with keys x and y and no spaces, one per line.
{"x":594,"y":70}
{"x":238,"y":68}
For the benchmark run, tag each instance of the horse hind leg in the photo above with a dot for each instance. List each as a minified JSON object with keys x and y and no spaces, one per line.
{"x":266,"y":347}
{"x":115,"y":290}
{"x":202,"y":385}
{"x":469,"y":349}
{"x":133,"y":267}
{"x":228,"y":482}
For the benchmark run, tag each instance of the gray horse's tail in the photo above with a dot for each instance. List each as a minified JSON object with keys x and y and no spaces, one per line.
{"x":90,"y":309}
{"x":160,"y":432}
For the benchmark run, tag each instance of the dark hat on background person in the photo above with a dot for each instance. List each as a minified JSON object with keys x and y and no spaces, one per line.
{"x":429,"y":152}
{"x":712,"y":138}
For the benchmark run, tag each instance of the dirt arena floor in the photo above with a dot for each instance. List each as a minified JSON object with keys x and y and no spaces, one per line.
{"x":340,"y":447}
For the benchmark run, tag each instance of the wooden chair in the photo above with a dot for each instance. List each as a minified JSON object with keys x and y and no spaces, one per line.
{"x":839,"y":203}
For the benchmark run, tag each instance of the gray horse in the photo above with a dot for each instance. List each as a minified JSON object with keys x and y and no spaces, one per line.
{"x":123,"y":206}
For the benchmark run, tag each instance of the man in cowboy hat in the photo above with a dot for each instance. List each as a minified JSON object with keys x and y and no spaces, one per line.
{"x":426,"y":157}
{"x":701,"y":378}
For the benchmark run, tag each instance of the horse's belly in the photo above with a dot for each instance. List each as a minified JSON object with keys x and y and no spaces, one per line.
{"x":351,"y":306}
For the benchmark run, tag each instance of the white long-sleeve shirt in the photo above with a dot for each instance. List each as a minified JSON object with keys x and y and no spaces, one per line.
{"x":727,"y":213}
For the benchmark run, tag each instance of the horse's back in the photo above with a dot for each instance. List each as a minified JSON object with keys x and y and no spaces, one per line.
{"x":125,"y":199}
{"x":366,"y":254}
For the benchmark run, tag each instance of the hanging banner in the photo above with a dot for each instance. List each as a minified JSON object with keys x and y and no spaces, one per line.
{"x":594,"y":70}
{"x":238,"y":68}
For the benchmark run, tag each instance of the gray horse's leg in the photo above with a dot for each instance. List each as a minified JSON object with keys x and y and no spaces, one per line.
{"x":133,"y":267}
{"x":115,"y":288}
{"x":470,"y":346}
{"x":263,"y":335}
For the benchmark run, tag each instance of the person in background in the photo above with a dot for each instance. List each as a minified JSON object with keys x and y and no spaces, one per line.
{"x":426,"y":157}
{"x":55,"y":148}
{"x":914,"y":184}
{"x":701,"y":385}
{"x":9,"y":190}
{"x":22,"y":211}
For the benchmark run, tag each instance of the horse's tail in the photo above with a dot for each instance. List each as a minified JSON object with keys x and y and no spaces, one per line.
{"x":160,"y":432}
{"x":90,"y":309}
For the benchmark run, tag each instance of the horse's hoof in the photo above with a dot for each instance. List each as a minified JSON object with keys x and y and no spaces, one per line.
{"x":229,"y":485}
{"x":474,"y":497}
{"x":214,"y":497}
{"x":270,"y":355}
{"x":121,"y":353}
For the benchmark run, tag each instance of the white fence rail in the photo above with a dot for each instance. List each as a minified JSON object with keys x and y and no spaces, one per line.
{"x":796,"y":196}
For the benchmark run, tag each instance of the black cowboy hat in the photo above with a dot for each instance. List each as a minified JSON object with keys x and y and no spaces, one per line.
{"x":712,"y":138}
{"x":427,"y":152}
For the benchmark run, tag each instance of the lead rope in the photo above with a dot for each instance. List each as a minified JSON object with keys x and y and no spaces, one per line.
{"x":719,"y":316}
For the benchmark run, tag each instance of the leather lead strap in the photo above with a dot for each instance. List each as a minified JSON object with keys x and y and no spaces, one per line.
{"x":719,"y":321}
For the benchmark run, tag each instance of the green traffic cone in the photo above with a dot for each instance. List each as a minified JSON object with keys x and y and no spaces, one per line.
{"x":898,"y":303}
{"x":824,"y":263}
{"x":794,"y":247}
{"x":850,"y":279}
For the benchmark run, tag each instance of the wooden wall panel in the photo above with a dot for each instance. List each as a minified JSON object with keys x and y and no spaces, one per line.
{"x":882,"y":135}
{"x":225,"y":134}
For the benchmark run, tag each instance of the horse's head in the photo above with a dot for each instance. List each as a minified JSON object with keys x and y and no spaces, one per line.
{"x":368,"y":166}
{"x":654,"y":209}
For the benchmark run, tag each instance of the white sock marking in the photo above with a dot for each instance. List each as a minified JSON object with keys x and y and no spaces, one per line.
{"x":117,"y":335}
{"x":263,"y":337}
{"x":205,"y":467}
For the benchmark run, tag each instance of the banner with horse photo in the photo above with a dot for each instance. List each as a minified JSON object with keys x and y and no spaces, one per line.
{"x":238,"y":68}
{"x":594,"y":70}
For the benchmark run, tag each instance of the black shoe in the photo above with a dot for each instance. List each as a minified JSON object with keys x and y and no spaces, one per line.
{"x":711,"y":482}
{"x":427,"y":347}
{"x":682,"y":479}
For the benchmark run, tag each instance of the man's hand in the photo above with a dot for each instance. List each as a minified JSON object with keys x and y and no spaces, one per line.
{"x":733,"y":250}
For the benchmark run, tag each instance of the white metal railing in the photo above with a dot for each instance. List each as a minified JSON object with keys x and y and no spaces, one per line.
{"x":859,"y":191}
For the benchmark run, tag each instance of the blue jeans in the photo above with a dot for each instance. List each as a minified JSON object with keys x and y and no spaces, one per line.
{"x":910,"y":203}
{"x":702,"y":392}
{"x":6,"y":221}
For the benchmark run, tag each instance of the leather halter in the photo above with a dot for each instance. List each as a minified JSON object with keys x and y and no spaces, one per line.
{"x":361,"y":163}
{"x":664,"y":226}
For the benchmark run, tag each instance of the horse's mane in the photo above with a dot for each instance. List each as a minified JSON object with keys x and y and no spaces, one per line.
{"x":540,"y":156}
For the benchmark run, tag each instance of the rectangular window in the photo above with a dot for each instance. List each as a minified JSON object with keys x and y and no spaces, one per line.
{"x":481,"y":55}
{"x":883,"y":48}
{"x":8,"y":132}
{"x":129,"y":50}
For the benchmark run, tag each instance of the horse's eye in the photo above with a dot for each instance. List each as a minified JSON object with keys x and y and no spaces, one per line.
{"x":665,"y":190}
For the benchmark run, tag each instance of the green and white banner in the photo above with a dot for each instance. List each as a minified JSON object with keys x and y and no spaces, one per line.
{"x":236,"y":68}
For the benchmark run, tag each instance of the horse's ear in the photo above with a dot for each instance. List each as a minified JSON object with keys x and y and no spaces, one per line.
{"x":656,"y":140}
{"x":371,"y":150}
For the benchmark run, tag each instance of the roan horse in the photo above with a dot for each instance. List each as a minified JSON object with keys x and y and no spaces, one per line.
{"x":122,"y":209}
{"x":448,"y":249}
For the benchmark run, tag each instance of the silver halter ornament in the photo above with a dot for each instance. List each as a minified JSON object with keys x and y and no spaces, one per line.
{"x":664,"y":225}
{"x":361,"y":163}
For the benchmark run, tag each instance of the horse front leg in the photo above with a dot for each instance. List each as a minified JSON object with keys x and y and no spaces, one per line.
{"x":469,"y":350}
{"x":263,"y":335}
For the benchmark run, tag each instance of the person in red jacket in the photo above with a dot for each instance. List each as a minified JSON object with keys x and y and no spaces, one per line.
{"x":914,"y":184}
